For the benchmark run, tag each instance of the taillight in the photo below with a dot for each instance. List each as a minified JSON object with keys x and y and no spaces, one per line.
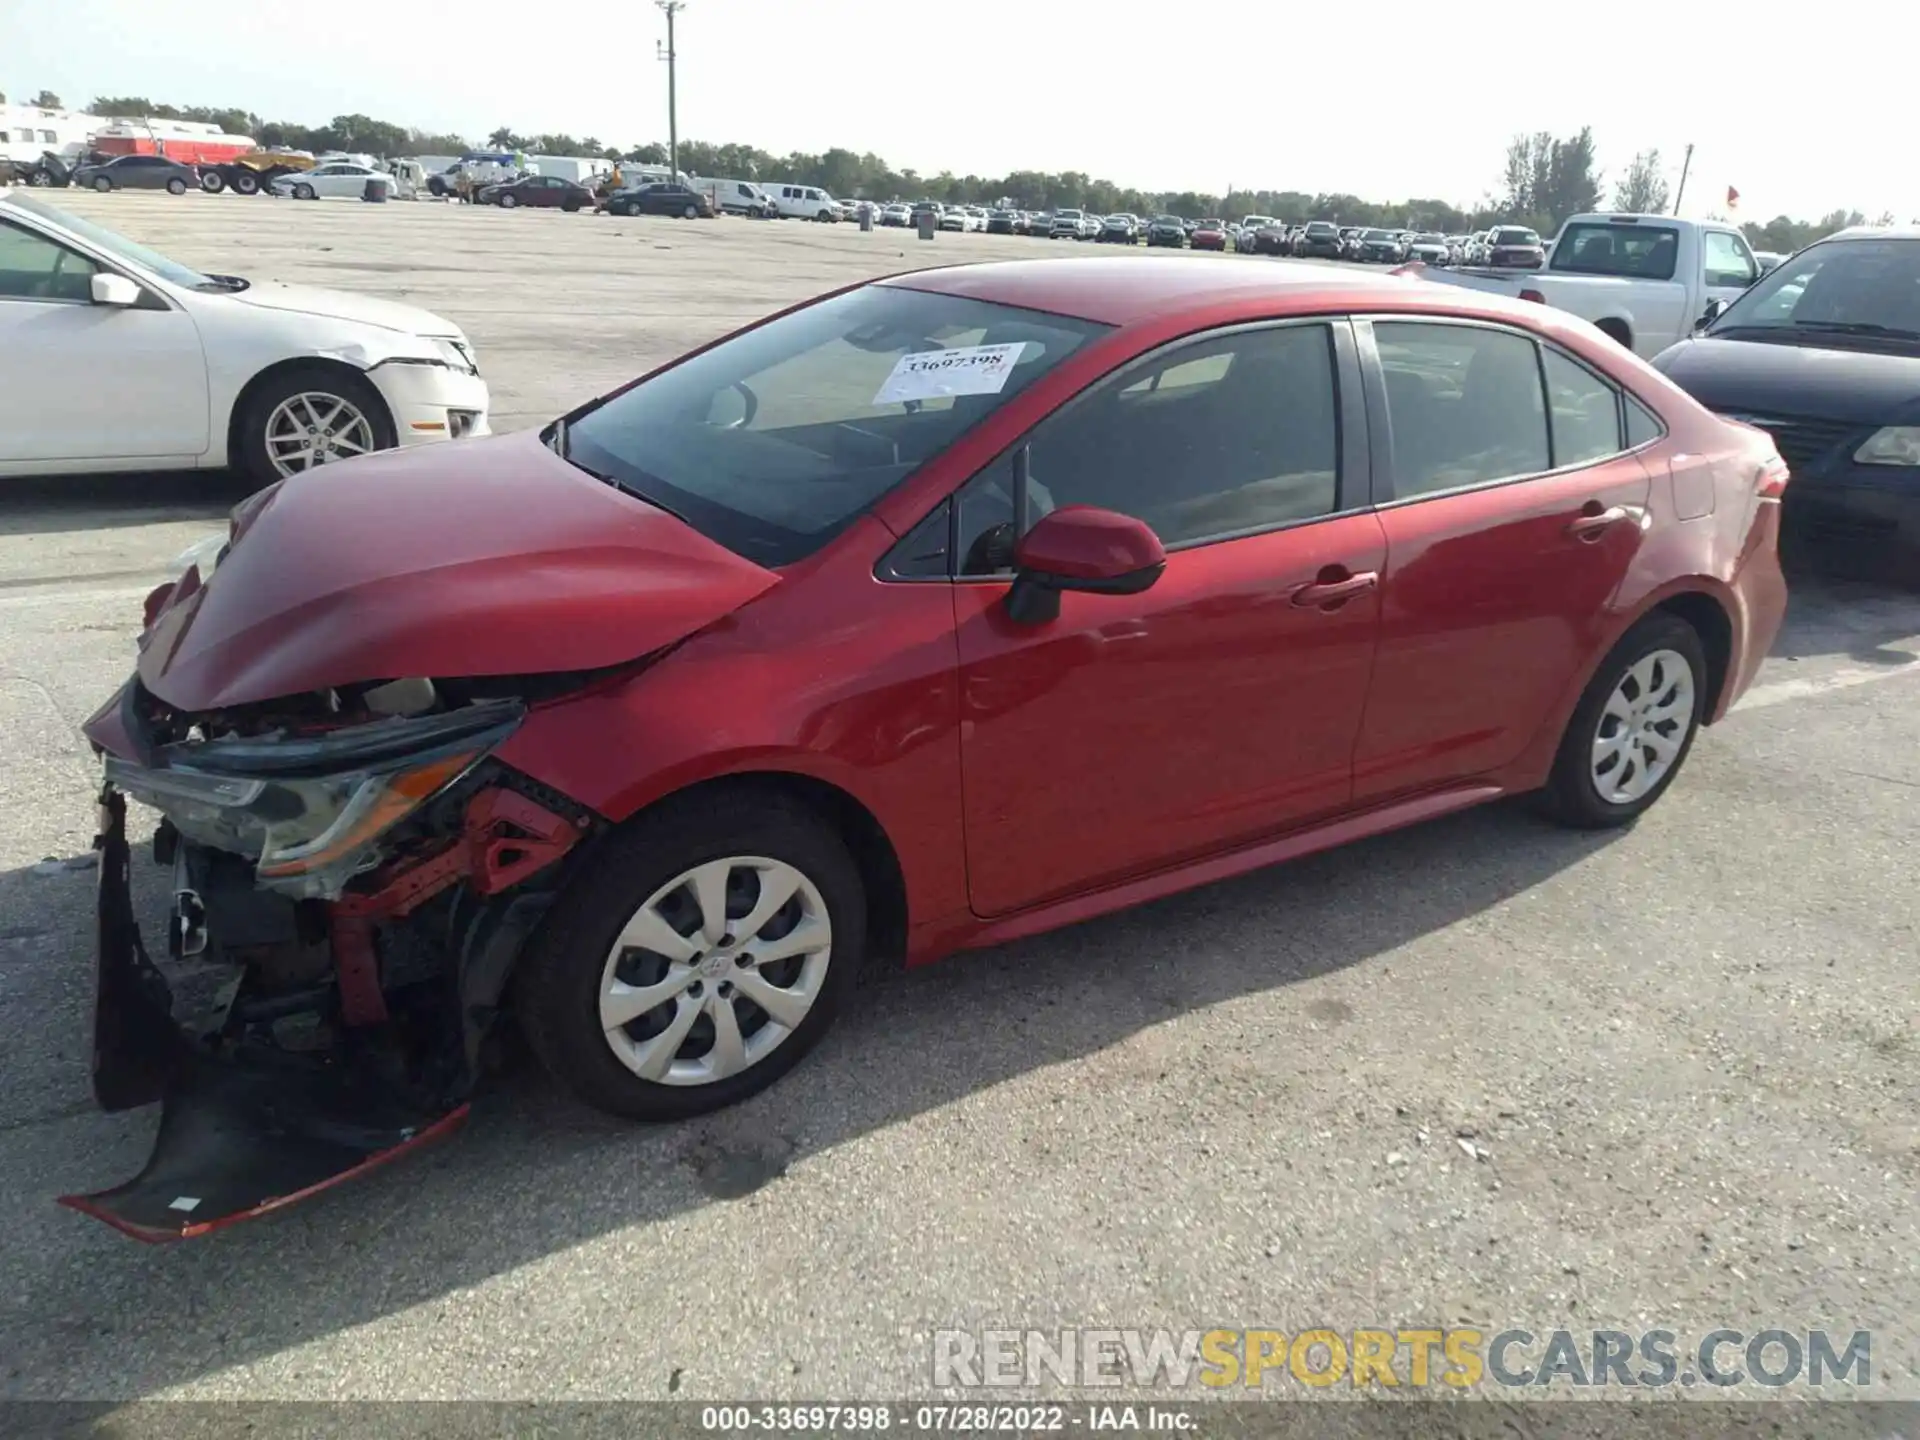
{"x":1773,"y":478}
{"x":1534,"y":295}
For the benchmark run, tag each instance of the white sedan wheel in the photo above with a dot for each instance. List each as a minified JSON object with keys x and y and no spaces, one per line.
{"x":315,"y":428}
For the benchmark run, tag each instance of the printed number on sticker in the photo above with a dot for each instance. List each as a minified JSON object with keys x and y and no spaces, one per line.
{"x":964,"y":370}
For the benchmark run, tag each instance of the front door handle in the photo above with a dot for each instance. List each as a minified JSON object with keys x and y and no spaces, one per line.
{"x":1592,"y":520}
{"x":1335,"y":592}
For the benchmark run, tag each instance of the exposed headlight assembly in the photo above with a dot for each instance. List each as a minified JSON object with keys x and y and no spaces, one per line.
{"x":310,"y":811}
{"x":456,"y":355}
{"x":1895,"y":445}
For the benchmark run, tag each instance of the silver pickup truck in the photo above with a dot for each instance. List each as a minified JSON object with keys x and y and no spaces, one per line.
{"x":1646,"y":280}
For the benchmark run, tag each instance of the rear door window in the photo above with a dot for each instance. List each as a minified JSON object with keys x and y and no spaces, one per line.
{"x":1584,"y":411}
{"x":1465,"y":405}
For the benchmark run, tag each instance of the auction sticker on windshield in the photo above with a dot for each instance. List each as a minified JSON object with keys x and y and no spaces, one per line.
{"x":963,"y":370}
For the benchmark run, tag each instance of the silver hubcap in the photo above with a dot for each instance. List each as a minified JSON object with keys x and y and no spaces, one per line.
{"x":314,"y":428}
{"x":1643,"y":726}
{"x":719,"y":966}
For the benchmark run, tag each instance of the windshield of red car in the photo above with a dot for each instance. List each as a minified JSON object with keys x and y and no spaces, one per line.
{"x":774,"y":441}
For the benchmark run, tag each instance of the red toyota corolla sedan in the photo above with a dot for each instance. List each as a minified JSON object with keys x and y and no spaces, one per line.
{"x":941,"y":610}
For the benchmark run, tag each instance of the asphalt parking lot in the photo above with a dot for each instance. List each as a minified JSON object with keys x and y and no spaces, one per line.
{"x":1477,"y":1073}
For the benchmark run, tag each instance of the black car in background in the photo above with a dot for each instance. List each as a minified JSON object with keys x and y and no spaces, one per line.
{"x":1167,"y":230}
{"x":1319,"y":241}
{"x":661,"y":198}
{"x":1379,"y":247}
{"x":548,"y":192}
{"x":1003,"y":222}
{"x":1122,"y":229}
{"x":1823,"y":353}
{"x":1268,"y":238}
{"x":139,"y":172}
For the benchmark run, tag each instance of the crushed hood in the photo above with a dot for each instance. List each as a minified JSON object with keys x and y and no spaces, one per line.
{"x":475,"y":558}
{"x":338,"y":305}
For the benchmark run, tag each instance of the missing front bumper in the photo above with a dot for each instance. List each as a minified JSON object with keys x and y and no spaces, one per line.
{"x":242,"y":1132}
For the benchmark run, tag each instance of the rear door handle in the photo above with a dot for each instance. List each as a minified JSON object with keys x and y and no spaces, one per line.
{"x":1592,"y":520}
{"x":1334,"y":592}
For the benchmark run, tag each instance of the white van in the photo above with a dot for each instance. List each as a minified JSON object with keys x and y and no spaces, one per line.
{"x":737,"y":197}
{"x":803,"y":202}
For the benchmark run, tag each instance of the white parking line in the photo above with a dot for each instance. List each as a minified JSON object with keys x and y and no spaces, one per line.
{"x":1776,"y":692}
{"x":50,"y":596}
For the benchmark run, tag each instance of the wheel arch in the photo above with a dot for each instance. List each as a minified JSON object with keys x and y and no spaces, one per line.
{"x":243,"y":401}
{"x":1698,"y":600}
{"x":1618,"y":328}
{"x":867,"y":841}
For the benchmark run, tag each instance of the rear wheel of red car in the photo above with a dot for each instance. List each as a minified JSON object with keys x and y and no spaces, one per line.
{"x":1633,"y":728}
{"x":699,"y":956}
{"x":508,"y":200}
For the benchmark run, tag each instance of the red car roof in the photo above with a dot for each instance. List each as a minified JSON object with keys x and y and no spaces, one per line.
{"x":1123,"y":290}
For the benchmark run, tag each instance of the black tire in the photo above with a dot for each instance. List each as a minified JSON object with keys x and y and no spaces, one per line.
{"x":213,"y":182}
{"x":692,"y":212}
{"x":102,"y":184}
{"x":556,"y":987}
{"x":249,"y":455}
{"x":176,"y":186}
{"x":1616,"y":331}
{"x":570,"y":207}
{"x":245,"y":182}
{"x":1571,"y":797}
{"x":508,"y":200}
{"x":304,"y":191}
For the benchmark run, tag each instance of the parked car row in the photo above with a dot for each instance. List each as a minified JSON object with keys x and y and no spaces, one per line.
{"x":1501,"y":246}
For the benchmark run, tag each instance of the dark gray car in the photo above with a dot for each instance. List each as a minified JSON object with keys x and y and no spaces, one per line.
{"x":139,"y":172}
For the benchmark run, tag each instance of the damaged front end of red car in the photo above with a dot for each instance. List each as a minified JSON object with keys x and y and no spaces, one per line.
{"x":350,"y":887}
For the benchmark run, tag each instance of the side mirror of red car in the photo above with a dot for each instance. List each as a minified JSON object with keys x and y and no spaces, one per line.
{"x":1081,"y":547}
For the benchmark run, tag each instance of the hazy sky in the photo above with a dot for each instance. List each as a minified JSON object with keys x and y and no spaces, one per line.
{"x":1801,"y":114}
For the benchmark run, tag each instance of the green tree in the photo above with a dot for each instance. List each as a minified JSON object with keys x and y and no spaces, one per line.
{"x":131,"y":106}
{"x":46,"y":100}
{"x":1643,"y":190}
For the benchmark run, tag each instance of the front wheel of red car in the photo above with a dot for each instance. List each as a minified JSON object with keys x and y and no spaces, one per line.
{"x":697,"y":958}
{"x":1633,"y":728}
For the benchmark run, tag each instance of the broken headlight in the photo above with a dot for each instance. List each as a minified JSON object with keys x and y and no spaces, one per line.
{"x":310,"y":811}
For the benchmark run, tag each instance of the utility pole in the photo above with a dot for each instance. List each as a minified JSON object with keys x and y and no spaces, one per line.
{"x":671,"y":8}
{"x":1684,"y":165}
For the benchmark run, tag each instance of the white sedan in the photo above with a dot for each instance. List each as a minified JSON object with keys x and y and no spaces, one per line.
{"x":336,"y":180}
{"x":113,"y":357}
